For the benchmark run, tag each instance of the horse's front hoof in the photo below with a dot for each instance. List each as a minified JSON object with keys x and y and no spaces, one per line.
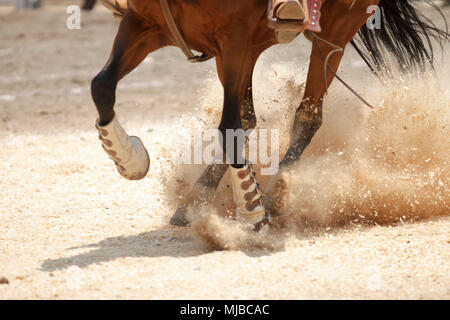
{"x":136,"y":168}
{"x":128,"y":153}
{"x":179,"y":218}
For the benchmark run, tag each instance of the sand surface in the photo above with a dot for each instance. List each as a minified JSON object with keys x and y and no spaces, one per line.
{"x":371,"y":197}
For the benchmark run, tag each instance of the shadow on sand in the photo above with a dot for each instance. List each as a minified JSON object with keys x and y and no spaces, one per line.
{"x":168,"y":242}
{"x":157,"y":243}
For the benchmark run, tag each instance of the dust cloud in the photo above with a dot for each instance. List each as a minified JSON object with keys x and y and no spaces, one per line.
{"x":383,"y":166}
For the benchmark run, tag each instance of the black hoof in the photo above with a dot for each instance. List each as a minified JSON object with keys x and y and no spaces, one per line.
{"x":264,"y":222}
{"x":179,"y":218}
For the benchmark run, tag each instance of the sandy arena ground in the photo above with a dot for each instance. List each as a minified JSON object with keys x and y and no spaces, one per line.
{"x":371,"y":195}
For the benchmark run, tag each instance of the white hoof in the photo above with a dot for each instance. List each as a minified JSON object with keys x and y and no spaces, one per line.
{"x":247,"y":196}
{"x":128,"y":153}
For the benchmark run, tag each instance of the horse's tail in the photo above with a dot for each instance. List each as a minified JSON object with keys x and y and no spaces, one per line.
{"x":118,"y":7}
{"x":405,"y":33}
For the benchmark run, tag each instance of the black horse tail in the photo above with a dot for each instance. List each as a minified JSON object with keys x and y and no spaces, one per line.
{"x":405,"y":33}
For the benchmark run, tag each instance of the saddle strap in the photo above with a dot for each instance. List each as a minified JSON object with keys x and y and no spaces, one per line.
{"x":179,"y":40}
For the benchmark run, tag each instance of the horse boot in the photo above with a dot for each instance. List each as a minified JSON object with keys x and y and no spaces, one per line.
{"x":248,"y":198}
{"x":128,"y":153}
{"x":288,"y":18}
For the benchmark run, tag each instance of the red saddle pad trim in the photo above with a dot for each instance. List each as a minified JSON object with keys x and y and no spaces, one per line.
{"x":314,"y":15}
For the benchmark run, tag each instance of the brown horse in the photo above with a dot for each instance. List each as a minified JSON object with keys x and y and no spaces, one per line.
{"x":236,"y":32}
{"x":88,"y":4}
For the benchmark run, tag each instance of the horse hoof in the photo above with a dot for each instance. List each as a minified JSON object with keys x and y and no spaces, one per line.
{"x":263,"y":226}
{"x":128,"y":153}
{"x":279,"y":201}
{"x":179,"y":218}
{"x":136,"y":168}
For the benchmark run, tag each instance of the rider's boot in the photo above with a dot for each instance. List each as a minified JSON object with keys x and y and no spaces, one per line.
{"x":287,"y":10}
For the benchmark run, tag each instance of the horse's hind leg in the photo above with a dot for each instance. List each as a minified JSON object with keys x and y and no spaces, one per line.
{"x":339,"y":26}
{"x":340,"y":23}
{"x":132,"y":44}
{"x":202,"y":192}
{"x":206,"y":186}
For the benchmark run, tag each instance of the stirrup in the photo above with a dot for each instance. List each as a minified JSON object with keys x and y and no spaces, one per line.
{"x":288,"y":15}
{"x":290,"y":10}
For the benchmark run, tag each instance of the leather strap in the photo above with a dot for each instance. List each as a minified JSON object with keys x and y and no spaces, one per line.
{"x":327,"y":66}
{"x":179,"y":40}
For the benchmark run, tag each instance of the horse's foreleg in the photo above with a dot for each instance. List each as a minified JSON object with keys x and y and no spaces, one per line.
{"x":132,"y":44}
{"x":202,"y":192}
{"x":206,"y":186}
{"x":235,"y":66}
{"x":248,"y":115}
{"x":340,"y":23}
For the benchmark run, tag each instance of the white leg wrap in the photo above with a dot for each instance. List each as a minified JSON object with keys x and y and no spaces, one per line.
{"x":128,"y":153}
{"x":247,"y":196}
